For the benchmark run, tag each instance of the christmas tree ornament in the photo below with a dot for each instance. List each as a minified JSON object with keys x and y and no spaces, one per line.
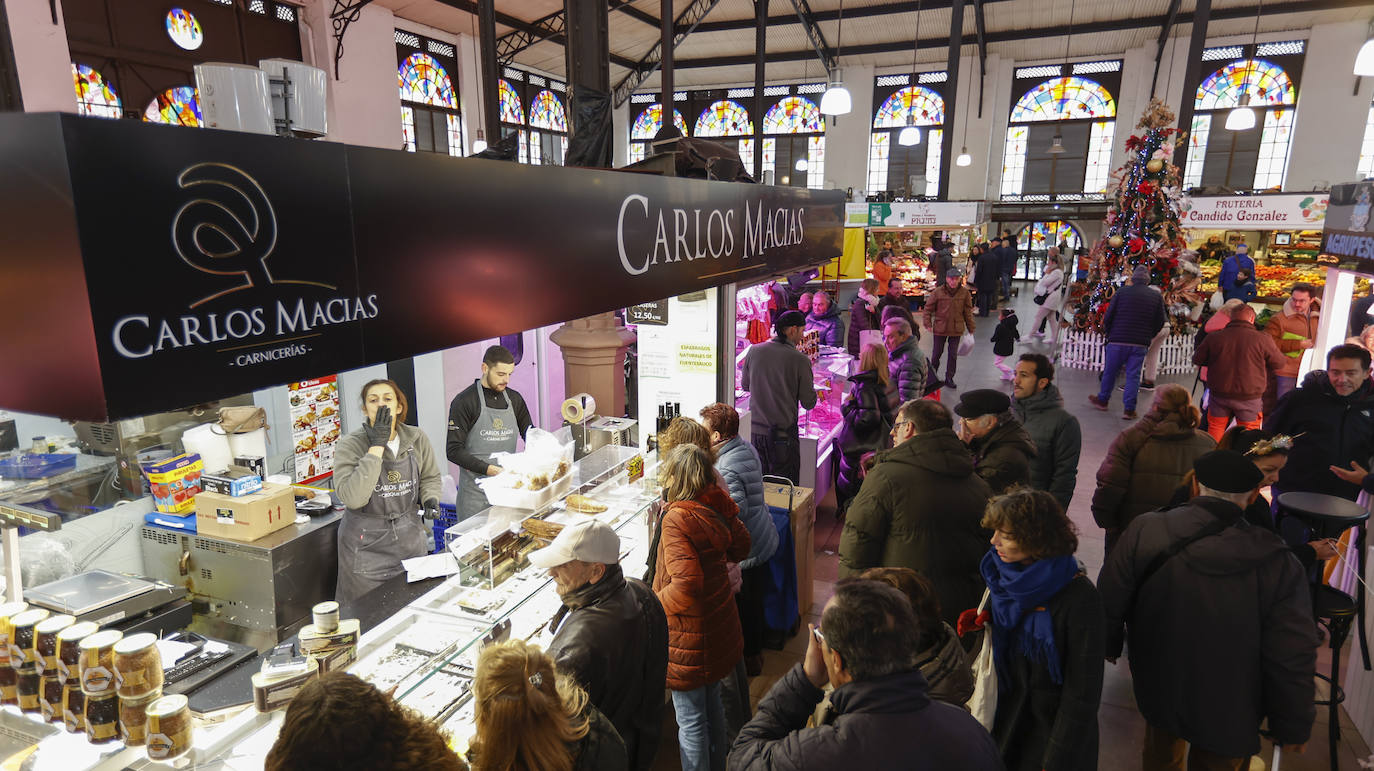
{"x":1116,"y":241}
{"x":1154,"y":166}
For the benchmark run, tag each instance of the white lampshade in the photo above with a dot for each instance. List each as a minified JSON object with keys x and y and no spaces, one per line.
{"x":1241,"y":118}
{"x":802,"y":165}
{"x":479,"y":143}
{"x":910,"y":135}
{"x":964,"y":158}
{"x":835,"y":100}
{"x":1364,"y":60}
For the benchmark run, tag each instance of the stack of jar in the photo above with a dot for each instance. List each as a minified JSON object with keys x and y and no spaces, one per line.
{"x":51,"y":680}
{"x":138,"y":682}
{"x":9,"y":676}
{"x":95,"y":668}
{"x":24,"y":656}
{"x":73,"y":704}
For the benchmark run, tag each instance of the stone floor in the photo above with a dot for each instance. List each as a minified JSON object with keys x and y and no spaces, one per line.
{"x":1120,"y":726}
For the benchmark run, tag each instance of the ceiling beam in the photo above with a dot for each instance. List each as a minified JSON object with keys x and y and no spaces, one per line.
{"x":551,"y":28}
{"x":807,"y":18}
{"x":886,"y":9}
{"x":1011,"y":35}
{"x":1164,"y":31}
{"x":640,"y":71}
{"x":981,"y":24}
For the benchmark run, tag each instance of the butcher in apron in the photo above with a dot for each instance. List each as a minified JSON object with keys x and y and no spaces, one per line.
{"x":485,"y":418}
{"x":385,"y":473}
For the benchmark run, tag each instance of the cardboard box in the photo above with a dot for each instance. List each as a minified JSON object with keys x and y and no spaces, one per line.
{"x":246,"y":518}
{"x":231,"y":483}
{"x":253,"y":464}
{"x":175,"y":482}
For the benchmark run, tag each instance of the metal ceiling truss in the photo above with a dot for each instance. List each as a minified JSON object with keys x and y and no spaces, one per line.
{"x":552,"y":28}
{"x":864,"y":12}
{"x":343,"y":14}
{"x":813,"y":34}
{"x":683,"y":25}
{"x":1012,"y":35}
{"x":1169,"y":19}
{"x":982,"y":27}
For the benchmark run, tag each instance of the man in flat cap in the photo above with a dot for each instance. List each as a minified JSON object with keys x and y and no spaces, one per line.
{"x":778,"y":377}
{"x":1219,"y":618}
{"x":1002,"y":450}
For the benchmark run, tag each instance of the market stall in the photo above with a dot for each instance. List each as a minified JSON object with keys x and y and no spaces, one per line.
{"x":907,"y":229}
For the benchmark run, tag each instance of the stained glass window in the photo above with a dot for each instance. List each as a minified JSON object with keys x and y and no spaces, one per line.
{"x":176,"y":106}
{"x":1197,"y":150}
{"x":926,"y":106}
{"x":547,"y":112}
{"x":511,"y":111}
{"x":93,"y":95}
{"x":1070,"y":98}
{"x":933,"y":146}
{"x":726,"y":118}
{"x":455,"y":136}
{"x":815,"y":162}
{"x":770,"y":154}
{"x":1043,"y":235}
{"x":1099,"y":157}
{"x":794,"y":115}
{"x":638,"y":151}
{"x":879,"y":150}
{"x":408,"y":128}
{"x":424,"y":80}
{"x":1366,"y":167}
{"x":1266,"y":82}
{"x":1014,"y":160}
{"x":1273,"y":149}
{"x":648,"y":123}
{"x":184,"y":29}
{"x":746,"y":155}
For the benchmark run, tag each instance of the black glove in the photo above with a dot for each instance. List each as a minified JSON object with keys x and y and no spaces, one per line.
{"x":379,"y":430}
{"x":431,"y":509}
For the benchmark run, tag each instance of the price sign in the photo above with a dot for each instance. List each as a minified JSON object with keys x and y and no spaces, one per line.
{"x":653,"y":314}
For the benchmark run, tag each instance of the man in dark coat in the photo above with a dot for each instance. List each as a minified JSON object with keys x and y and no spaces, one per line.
{"x":1002,"y":450}
{"x":1221,"y":633}
{"x":1058,"y":439}
{"x":1006,"y":253}
{"x":611,"y":634}
{"x":1239,"y":360}
{"x":987,"y":270}
{"x":1134,"y":317}
{"x":920,"y":508}
{"x":884,"y":717}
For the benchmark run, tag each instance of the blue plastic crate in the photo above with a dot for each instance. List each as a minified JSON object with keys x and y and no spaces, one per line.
{"x":36,"y":465}
{"x":448,"y":517}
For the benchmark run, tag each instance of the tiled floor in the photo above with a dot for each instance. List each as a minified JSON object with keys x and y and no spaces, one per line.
{"x":1120,"y":726}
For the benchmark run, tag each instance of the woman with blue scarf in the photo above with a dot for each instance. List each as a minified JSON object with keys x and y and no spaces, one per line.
{"x":1047,"y":630}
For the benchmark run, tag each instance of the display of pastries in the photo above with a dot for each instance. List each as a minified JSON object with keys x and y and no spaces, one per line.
{"x":542,"y":529}
{"x":585,"y":505}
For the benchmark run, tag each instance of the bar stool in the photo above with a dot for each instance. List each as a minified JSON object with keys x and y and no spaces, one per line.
{"x":1329,"y":516}
{"x":1336,"y":611}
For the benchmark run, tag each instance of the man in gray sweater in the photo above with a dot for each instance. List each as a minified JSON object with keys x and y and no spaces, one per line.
{"x":777,"y":377}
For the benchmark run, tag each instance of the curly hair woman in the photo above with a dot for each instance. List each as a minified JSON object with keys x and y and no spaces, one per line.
{"x":531,"y":718}
{"x":341,"y":723}
{"x":1048,"y":636}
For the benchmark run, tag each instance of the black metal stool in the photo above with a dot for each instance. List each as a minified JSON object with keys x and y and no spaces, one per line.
{"x":1336,"y":611}
{"x":1329,"y":516}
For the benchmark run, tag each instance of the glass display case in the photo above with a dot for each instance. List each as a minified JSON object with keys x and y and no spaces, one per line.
{"x":427,"y":651}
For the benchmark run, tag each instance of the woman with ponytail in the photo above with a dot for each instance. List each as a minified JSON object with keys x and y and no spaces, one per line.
{"x":1148,"y":460}
{"x":532,"y":718}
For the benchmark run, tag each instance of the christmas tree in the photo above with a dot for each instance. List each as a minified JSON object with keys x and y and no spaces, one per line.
{"x":1142,"y":225}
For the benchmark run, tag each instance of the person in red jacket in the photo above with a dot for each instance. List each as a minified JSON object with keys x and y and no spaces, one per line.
{"x":701,"y":533}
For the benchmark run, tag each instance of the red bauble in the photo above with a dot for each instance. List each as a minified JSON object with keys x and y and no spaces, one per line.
{"x":1137,"y":244}
{"x":1146,"y":188}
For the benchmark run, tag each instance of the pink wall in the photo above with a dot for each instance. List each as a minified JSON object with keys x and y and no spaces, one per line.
{"x":41,"y":56}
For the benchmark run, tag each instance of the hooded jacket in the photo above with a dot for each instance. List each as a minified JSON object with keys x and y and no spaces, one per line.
{"x":1051,"y":285}
{"x":920,"y":508}
{"x":1334,"y":430}
{"x":863,"y":314}
{"x":946,"y":668}
{"x":704,"y":637}
{"x":1143,"y":466}
{"x":1058,"y":441}
{"x":612,"y":637}
{"x":949,"y":312}
{"x":1239,"y":360}
{"x":1289,"y":329}
{"x":1003,"y":455}
{"x":1135,"y":315}
{"x":829,"y":325}
{"x":868,"y":418}
{"x":739,"y":466}
{"x":907,"y":367}
{"x":1005,"y":336}
{"x":1221,"y":636}
{"x":887,"y":722}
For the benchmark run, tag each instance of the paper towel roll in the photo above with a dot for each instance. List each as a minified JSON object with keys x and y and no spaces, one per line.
{"x":212,"y":446}
{"x":579,"y":407}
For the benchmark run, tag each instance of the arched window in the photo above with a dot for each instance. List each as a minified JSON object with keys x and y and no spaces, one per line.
{"x":93,"y":95}
{"x":891,"y":165}
{"x":1242,"y":160}
{"x":512,"y":116}
{"x":646,"y":126}
{"x":549,"y":143}
{"x":1033,"y":243}
{"x":1081,"y":113}
{"x":178,"y":106}
{"x":728,"y":118}
{"x":430,"y":120}
{"x":1366,"y":167}
{"x":794,"y":142}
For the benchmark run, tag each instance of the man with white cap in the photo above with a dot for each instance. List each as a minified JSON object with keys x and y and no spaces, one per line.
{"x":611,"y":634}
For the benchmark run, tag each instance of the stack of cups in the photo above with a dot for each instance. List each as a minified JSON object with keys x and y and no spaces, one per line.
{"x":95,"y":667}
{"x":138,"y":681}
{"x":24,"y":656}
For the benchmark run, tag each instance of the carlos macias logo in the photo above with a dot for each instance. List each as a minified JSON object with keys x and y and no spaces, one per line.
{"x":227,"y":227}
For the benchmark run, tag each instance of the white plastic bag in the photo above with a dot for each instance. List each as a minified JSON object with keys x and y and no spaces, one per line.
{"x":966,"y":343}
{"x":983,"y":703}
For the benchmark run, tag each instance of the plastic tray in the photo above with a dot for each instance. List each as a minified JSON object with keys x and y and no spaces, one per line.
{"x":529,"y":499}
{"x":36,"y":465}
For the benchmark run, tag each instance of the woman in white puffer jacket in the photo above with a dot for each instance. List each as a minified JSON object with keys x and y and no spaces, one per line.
{"x":1051,"y":285}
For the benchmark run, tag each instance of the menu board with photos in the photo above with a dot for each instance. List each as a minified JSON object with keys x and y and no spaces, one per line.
{"x":314,"y":426}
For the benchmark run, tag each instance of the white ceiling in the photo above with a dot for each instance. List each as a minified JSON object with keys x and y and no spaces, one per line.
{"x":632,"y":38}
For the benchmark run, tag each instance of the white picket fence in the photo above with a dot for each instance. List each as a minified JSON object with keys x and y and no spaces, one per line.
{"x":1086,"y":350}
